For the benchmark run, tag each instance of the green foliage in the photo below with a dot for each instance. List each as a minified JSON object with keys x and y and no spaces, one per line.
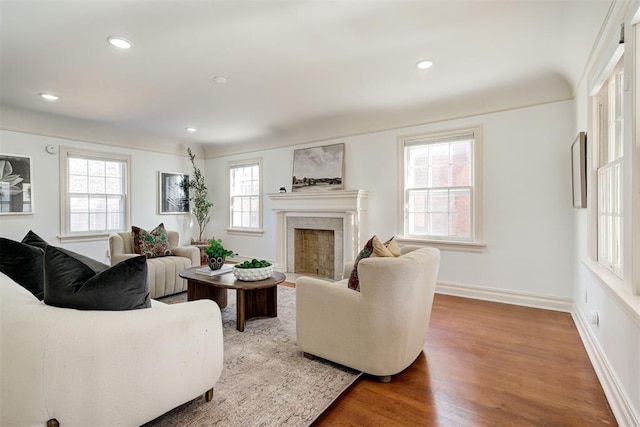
{"x":216,"y":250}
{"x":254,"y":263}
{"x":197,"y":191}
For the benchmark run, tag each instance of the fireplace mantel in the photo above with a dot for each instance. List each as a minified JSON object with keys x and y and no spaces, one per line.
{"x":333,"y":201}
{"x":348,"y":205}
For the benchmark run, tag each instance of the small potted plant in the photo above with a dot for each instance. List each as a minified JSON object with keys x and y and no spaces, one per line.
{"x":216,"y":254}
{"x":254,"y":270}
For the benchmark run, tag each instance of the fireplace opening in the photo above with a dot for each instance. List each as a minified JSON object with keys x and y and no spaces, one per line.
{"x":314,"y":252}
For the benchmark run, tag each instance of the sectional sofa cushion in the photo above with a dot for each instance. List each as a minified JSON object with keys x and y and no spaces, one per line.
{"x":23,"y":262}
{"x":72,"y":280}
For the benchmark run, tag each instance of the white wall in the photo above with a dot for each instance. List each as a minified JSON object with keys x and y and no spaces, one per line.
{"x":614,"y":342}
{"x":528,"y":214}
{"x":527,"y":188}
{"x":45,"y":221}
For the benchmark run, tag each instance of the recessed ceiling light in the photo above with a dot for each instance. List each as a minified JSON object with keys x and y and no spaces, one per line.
{"x":49,"y":96}
{"x":424,"y":64}
{"x":191,"y":129}
{"x":119,"y":42}
{"x":220,"y":80}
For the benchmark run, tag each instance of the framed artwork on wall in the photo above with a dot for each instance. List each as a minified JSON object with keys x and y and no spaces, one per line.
{"x":318,"y":168}
{"x":172,"y":197}
{"x":16,"y":191}
{"x":579,"y":170}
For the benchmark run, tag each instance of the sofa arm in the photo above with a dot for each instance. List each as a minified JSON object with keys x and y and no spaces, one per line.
{"x":116,"y":258}
{"x":127,"y":368}
{"x":191,"y":252}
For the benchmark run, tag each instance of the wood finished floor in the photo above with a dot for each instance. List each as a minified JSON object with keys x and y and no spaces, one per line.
{"x":484,"y":364}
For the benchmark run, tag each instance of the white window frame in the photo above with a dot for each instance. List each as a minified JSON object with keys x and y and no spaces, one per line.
{"x":247,"y":231}
{"x":476,"y":241}
{"x":610,"y":174}
{"x":66,"y":235}
{"x":625,"y":288}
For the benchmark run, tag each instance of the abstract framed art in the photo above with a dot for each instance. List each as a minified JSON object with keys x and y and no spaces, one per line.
{"x":172,"y":198}
{"x":16,"y":191}
{"x":579,"y":170}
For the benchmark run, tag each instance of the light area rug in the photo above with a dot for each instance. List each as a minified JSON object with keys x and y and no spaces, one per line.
{"x":266,"y":381}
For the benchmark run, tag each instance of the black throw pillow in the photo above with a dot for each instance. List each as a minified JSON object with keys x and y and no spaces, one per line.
{"x":23,"y":262}
{"x":33,"y":239}
{"x":72,"y":280}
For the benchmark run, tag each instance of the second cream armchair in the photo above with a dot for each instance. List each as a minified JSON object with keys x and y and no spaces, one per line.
{"x":163,"y":272}
{"x":380,"y":330}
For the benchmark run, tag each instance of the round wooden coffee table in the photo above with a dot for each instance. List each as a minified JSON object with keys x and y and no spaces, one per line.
{"x":253,"y":299}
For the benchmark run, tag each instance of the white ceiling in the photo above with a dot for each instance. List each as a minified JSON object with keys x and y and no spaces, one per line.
{"x":298,"y":71}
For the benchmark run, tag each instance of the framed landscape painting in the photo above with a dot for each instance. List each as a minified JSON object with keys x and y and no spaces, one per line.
{"x":318,"y":168}
{"x":16,"y":192}
{"x":172,"y":197}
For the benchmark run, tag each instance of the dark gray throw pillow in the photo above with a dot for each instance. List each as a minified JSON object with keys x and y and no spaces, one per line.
{"x":72,"y":280}
{"x":33,"y":239}
{"x":23,"y":262}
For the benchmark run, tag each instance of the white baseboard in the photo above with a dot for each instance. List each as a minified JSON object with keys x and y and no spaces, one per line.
{"x":526,"y":299}
{"x":618,"y":401}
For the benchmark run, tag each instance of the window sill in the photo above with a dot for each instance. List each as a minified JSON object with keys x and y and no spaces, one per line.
{"x":445,"y":245}
{"x":616,"y":288}
{"x":83,"y":237}
{"x":258,"y":232}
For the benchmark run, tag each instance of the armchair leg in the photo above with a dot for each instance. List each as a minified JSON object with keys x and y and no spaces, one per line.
{"x":208,"y":395}
{"x":53,"y":423}
{"x":385,"y":379}
{"x":308,"y":356}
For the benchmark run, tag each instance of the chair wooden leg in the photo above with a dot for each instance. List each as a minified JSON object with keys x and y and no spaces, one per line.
{"x":53,"y":423}
{"x":385,"y":379}
{"x":308,"y":356}
{"x":208,"y":395}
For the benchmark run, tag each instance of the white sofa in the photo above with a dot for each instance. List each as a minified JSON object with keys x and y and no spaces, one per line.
{"x":103,"y":368}
{"x":163,"y":272}
{"x":380,"y":330}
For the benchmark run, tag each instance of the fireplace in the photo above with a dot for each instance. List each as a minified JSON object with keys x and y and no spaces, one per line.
{"x":314,"y":252}
{"x":339,"y":214}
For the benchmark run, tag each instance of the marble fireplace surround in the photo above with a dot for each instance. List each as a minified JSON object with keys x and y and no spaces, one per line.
{"x":342,"y":211}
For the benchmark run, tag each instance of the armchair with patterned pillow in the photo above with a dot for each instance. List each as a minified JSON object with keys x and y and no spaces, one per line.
{"x":376,"y":320}
{"x":165,"y":257}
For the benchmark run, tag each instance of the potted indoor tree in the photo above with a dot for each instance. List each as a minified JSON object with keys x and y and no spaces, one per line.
{"x":197,"y":191}
{"x":216,"y":254}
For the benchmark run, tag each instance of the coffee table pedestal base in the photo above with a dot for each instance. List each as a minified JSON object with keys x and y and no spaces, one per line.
{"x":255,"y":303}
{"x":196,"y":290}
{"x":250,"y":303}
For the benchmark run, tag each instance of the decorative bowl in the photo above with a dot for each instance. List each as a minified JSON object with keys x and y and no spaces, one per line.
{"x":252,"y":274}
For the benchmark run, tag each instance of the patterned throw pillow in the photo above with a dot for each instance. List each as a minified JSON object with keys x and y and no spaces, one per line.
{"x":373,"y":248}
{"x":152,"y":244}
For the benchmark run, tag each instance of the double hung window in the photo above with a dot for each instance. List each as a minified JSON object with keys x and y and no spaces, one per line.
{"x":442,"y":186}
{"x":610,"y":171}
{"x":95,"y":193}
{"x":245,"y":195}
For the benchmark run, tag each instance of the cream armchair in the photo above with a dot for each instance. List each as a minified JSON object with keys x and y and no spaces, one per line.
{"x":380,"y":330}
{"x":163,"y":272}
